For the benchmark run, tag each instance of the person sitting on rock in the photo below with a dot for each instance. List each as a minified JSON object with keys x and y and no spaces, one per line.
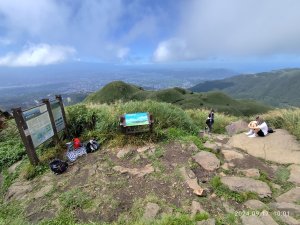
{"x":252,"y":125}
{"x":258,"y":128}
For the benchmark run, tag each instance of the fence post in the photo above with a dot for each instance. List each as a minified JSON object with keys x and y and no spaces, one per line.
{"x":59,"y":98}
{"x":47,"y":103}
{"x":25,"y":135}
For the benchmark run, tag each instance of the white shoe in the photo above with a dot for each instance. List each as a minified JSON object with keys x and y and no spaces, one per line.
{"x":252,"y":135}
{"x":249,"y":133}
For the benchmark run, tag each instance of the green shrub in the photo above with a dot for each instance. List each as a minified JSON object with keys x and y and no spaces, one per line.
{"x":199,"y":117}
{"x":102,"y":121}
{"x":288,"y":119}
{"x":29,"y":171}
{"x":11,"y":213}
{"x":11,"y":147}
{"x":79,"y":119}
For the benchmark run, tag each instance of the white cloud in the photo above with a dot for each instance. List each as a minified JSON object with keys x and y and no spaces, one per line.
{"x":41,"y":54}
{"x":122,"y":53}
{"x":233,"y":28}
{"x":96,"y":28}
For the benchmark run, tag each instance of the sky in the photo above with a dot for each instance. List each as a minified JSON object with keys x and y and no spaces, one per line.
{"x":212,"y":33}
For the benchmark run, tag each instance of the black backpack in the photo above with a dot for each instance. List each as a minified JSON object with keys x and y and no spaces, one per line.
{"x":270,"y":130}
{"x":92,"y":146}
{"x":58,"y":166}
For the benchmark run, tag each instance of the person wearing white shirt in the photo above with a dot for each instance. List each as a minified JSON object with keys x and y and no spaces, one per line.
{"x":260,"y":130}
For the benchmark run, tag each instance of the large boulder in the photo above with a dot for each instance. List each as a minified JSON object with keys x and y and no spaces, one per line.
{"x":236,"y":127}
{"x":291,"y":196}
{"x":229,"y":155}
{"x":207,"y":160}
{"x":243,"y":184}
{"x":279,"y":147}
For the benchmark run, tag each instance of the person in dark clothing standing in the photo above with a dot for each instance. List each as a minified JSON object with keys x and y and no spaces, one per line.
{"x":210,"y":120}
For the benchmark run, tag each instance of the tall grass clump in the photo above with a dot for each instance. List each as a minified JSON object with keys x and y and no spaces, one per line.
{"x":199,"y":117}
{"x":11,"y":147}
{"x":105,"y":118}
{"x":288,"y":119}
{"x":165,"y":115}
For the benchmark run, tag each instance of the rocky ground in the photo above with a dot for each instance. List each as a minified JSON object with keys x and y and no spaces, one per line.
{"x":226,"y":178}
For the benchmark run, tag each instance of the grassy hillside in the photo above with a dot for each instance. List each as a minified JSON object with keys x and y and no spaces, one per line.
{"x":277,"y":88}
{"x":117,"y":90}
{"x":120,"y":91}
{"x":101,"y":121}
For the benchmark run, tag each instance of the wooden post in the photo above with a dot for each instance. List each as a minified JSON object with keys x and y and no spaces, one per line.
{"x":25,"y":135}
{"x":55,"y":137}
{"x":59,"y":98}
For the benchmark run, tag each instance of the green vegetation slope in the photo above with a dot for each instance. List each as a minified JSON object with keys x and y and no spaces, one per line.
{"x":120,"y":91}
{"x":278,"y":88}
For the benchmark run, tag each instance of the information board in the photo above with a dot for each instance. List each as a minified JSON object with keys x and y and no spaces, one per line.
{"x":136,"y":119}
{"x":39,"y":124}
{"x":58,"y":116}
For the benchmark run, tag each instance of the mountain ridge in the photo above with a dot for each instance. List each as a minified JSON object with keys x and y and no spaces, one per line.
{"x":186,"y":99}
{"x":279,"y":88}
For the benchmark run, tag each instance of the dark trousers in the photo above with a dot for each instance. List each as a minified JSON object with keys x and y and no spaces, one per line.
{"x":260,"y":133}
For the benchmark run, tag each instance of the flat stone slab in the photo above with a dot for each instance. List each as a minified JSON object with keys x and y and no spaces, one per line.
{"x":255,"y":204}
{"x":18,"y":191}
{"x":280,"y":146}
{"x":146,"y":148}
{"x":264,"y":218}
{"x":123,"y":152}
{"x":294,"y":174}
{"x":139,"y":172}
{"x":287,"y":208}
{"x":229,"y":155}
{"x":291,"y":196}
{"x":251,"y":220}
{"x":243,"y":184}
{"x":207,"y":160}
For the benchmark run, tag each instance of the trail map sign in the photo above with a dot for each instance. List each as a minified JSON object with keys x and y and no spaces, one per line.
{"x":136,"y":119}
{"x":58,"y":116}
{"x":39,"y":124}
{"x":136,"y":122}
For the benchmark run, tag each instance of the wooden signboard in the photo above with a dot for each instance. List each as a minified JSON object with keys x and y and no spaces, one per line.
{"x":39,"y":124}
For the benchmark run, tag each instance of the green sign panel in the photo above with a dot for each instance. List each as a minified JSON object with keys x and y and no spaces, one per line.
{"x":39,"y":124}
{"x":136,"y":119}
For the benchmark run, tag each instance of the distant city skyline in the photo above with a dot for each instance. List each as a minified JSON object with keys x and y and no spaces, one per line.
{"x":246,"y":36}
